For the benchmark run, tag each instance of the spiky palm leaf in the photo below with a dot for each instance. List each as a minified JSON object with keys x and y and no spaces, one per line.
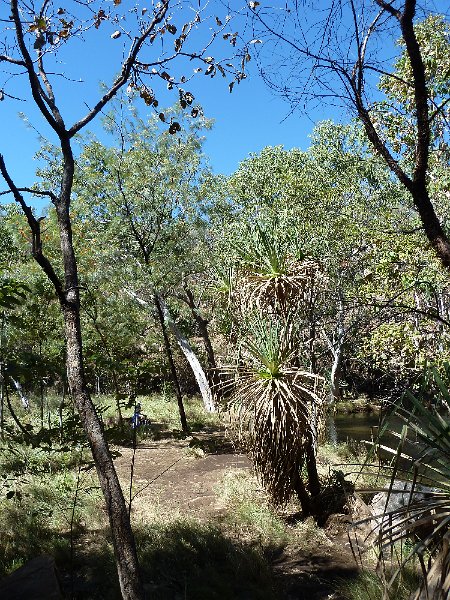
{"x":420,"y":477}
{"x":274,"y":275}
{"x":278,"y":404}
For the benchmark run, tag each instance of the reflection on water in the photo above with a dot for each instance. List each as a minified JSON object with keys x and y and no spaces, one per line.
{"x":357,"y":427}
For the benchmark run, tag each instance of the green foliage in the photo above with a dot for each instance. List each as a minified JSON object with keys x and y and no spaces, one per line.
{"x":420,"y":474}
{"x":37,"y":510}
{"x":12,"y":293}
{"x":367,"y":586}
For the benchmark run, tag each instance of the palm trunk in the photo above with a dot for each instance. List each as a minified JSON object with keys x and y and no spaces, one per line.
{"x":303,"y":496}
{"x":314,"y":486}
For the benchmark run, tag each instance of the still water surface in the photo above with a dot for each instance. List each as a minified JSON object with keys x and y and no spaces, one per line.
{"x":357,"y":427}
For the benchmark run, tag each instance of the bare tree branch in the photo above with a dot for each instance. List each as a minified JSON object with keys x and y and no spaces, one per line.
{"x":125,"y":71}
{"x":35,"y":227}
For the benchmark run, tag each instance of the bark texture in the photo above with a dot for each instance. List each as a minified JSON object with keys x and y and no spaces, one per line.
{"x":173,"y":369}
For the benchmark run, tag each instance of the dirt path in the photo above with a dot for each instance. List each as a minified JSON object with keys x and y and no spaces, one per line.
{"x":178,"y":476}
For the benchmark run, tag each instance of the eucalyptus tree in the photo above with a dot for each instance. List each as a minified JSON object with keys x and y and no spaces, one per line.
{"x":339,"y":50}
{"x":146,"y":194}
{"x":33,"y":41}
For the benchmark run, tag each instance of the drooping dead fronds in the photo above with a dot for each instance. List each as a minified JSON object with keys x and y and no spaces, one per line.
{"x":278,"y":405}
{"x":278,"y":293}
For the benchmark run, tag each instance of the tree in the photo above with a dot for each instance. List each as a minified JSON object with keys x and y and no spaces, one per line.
{"x":339,"y":57}
{"x":32,"y":43}
{"x":148,"y":193}
{"x":334,"y":203}
{"x":278,"y":400}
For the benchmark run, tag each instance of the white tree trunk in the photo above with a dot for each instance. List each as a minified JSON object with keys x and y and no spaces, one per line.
{"x":197,"y":369}
{"x":23,"y":398}
{"x":192,"y":359}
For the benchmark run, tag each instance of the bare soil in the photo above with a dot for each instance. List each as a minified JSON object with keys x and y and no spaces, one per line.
{"x":183,"y":476}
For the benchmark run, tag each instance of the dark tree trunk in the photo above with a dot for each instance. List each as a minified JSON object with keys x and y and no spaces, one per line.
{"x":123,"y":540}
{"x":202,"y":324}
{"x":302,"y":495}
{"x":122,"y":535}
{"x":68,"y":295}
{"x":173,"y":369}
{"x":68,"y":290}
{"x":314,"y":486}
{"x":416,"y":184}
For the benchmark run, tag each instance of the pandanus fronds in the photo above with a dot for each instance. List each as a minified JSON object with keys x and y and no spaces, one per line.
{"x":272,"y":278}
{"x":278,"y":404}
{"x":419,"y":488}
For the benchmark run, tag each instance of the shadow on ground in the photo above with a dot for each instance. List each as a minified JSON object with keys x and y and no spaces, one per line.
{"x":180,"y":561}
{"x":192,"y":561}
{"x":312,"y":577}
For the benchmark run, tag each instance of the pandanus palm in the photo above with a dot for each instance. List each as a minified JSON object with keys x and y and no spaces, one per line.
{"x":275,"y":276}
{"x":279,"y":403}
{"x":416,"y":523}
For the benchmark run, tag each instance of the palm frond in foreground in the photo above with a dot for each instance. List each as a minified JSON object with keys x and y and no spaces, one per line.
{"x":415,"y":523}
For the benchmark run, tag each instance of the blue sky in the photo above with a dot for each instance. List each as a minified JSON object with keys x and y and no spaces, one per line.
{"x":246,"y":120}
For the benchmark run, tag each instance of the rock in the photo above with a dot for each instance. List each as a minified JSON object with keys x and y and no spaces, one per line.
{"x":399,"y":497}
{"x":36,"y":580}
{"x":383,"y":505}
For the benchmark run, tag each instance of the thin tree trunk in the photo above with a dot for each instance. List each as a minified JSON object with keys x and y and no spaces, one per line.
{"x":2,"y":400}
{"x":416,"y":184}
{"x":23,"y":398}
{"x":194,"y":363}
{"x":68,"y":295}
{"x":68,"y":290}
{"x":336,"y":373}
{"x":13,"y":414}
{"x":122,"y":535}
{"x":314,"y":486}
{"x":212,"y":372}
{"x":202,"y":325}
{"x":196,"y":367}
{"x":173,"y":369}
